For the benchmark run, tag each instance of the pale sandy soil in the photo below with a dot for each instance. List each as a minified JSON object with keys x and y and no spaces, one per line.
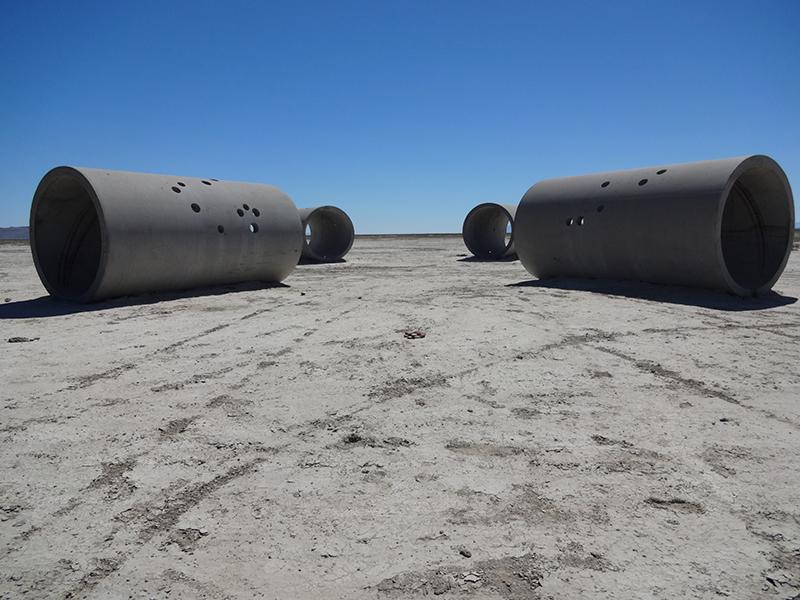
{"x":289,"y":442}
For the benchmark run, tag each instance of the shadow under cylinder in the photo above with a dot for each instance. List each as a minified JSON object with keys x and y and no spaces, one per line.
{"x":721,"y":224}
{"x":99,"y":234}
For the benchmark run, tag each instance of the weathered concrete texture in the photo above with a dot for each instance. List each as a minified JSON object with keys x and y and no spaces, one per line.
{"x":721,"y":224}
{"x":329,"y":233}
{"x":99,"y":234}
{"x":541,"y":441}
{"x":488,"y":230}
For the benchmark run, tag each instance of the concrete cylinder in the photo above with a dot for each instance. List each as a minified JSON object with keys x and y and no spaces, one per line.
{"x":329,"y":233}
{"x":98,"y":234}
{"x":486,"y":230}
{"x":723,"y":224}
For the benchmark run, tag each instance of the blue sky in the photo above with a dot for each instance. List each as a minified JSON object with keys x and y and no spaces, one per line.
{"x":404,"y":114}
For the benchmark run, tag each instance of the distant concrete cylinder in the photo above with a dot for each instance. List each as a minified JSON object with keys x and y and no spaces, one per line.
{"x":724,"y":224}
{"x":485,"y":230}
{"x":329,"y":233}
{"x":98,"y":234}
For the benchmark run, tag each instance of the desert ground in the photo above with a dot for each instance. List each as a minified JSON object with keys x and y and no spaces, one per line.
{"x":560,"y":439}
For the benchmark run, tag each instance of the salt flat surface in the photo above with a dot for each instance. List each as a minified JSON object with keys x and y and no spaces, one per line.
{"x":541,"y":441}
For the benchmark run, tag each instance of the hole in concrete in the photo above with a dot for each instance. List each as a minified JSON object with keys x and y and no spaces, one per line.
{"x":177,"y":190}
{"x":580,"y":221}
{"x":66,"y":235}
{"x":240,"y":212}
{"x":642,"y":181}
{"x":570,"y":221}
{"x":329,"y":233}
{"x":212,"y":179}
{"x":755,"y":228}
{"x":605,"y":184}
{"x":488,"y":230}
{"x":220,"y":228}
{"x":180,"y":183}
{"x":253,"y":227}
{"x":195,"y":207}
{"x":244,"y":206}
{"x":661,"y":172}
{"x":206,"y":182}
{"x":256,"y":212}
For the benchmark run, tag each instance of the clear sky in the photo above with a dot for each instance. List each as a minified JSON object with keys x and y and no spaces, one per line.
{"x":405,"y":114}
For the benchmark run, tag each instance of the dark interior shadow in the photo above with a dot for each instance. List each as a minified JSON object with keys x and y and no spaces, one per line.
{"x":310,"y":261}
{"x":510,"y":258}
{"x":47,"y":306}
{"x":662,"y":293}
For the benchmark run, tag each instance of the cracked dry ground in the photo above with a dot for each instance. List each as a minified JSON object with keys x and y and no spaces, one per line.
{"x":541,"y":441}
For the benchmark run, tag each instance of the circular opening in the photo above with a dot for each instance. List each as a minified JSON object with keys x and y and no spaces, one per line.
{"x":177,"y":190}
{"x":756,"y":226}
{"x":253,"y":227}
{"x":180,"y":183}
{"x":642,"y":181}
{"x":605,"y":184}
{"x":329,"y":234}
{"x":220,"y":228}
{"x":195,"y":207}
{"x":570,"y":221}
{"x":580,"y":221}
{"x":256,"y":212}
{"x":661,"y":172}
{"x":66,"y":235}
{"x":240,"y":212}
{"x":600,"y":208}
{"x":212,"y":179}
{"x":206,"y":182}
{"x":244,"y":206}
{"x":488,"y":231}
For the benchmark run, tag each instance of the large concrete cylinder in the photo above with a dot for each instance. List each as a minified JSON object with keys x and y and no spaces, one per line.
{"x":724,"y":224}
{"x":329,"y":233}
{"x":98,"y":234}
{"x":488,"y":230}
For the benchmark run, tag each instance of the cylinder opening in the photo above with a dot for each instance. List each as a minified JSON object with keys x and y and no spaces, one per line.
{"x":329,"y":233}
{"x":65,"y":235}
{"x":488,"y":231}
{"x":756,"y":228}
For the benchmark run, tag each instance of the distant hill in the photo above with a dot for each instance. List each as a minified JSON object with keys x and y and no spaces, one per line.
{"x":13,"y":233}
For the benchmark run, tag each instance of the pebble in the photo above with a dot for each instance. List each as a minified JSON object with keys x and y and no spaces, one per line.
{"x":465,"y":553}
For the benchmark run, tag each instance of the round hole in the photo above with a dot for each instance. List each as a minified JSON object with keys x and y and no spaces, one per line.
{"x":600,"y":208}
{"x":244,"y":206}
{"x":642,"y":181}
{"x":212,"y":179}
{"x":220,"y":228}
{"x":176,"y":189}
{"x":180,"y":183}
{"x":661,"y":172}
{"x":570,"y":221}
{"x":605,"y":184}
{"x":195,"y":207}
{"x":206,"y":182}
{"x":240,"y":212}
{"x":580,"y":221}
{"x":256,"y":212}
{"x":253,"y":227}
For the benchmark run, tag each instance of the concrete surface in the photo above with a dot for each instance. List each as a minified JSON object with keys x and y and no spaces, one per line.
{"x":541,"y":440}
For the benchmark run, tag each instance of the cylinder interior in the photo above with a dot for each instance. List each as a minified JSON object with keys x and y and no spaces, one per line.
{"x":756,"y":228}
{"x":329,"y":233}
{"x":488,"y":231}
{"x":66,"y":236}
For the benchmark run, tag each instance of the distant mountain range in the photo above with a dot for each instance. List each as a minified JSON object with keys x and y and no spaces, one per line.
{"x":13,"y":233}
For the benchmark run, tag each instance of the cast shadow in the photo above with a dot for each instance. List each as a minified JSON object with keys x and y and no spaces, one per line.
{"x":47,"y":306}
{"x":662,"y":293}
{"x":510,"y":258}
{"x":309,"y":261}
